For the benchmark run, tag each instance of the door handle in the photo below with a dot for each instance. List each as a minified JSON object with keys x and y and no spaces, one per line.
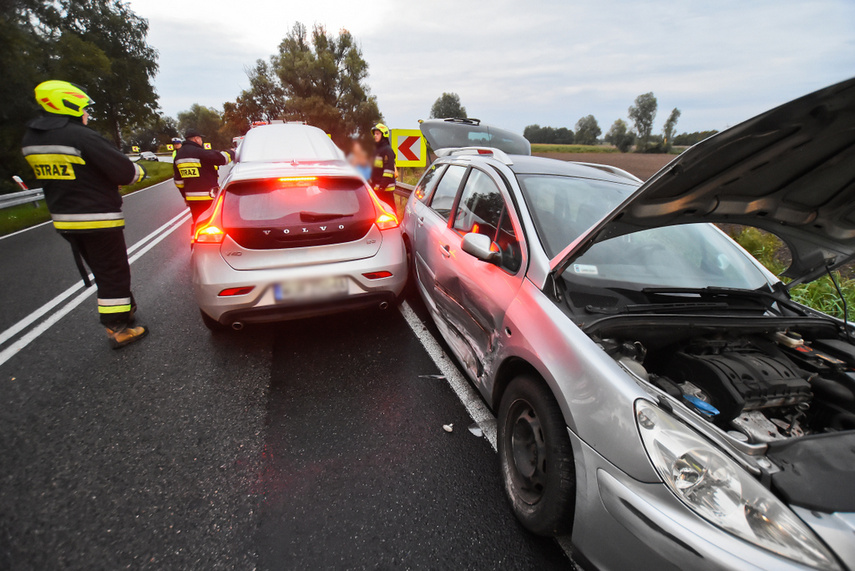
{"x":421,"y":220}
{"x":446,"y":251}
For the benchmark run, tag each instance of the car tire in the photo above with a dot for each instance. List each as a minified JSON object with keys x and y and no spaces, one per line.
{"x":212,"y":324}
{"x":536,"y":457}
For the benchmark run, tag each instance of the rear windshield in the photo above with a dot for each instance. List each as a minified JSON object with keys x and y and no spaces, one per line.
{"x":297,"y":212}
{"x":447,"y":134}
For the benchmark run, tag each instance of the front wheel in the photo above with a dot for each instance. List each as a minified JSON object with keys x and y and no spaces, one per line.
{"x":536,"y":457}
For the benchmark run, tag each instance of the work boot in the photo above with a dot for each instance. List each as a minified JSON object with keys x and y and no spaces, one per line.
{"x":124,"y":335}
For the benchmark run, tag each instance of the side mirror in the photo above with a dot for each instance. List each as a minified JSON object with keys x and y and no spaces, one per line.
{"x":479,"y":245}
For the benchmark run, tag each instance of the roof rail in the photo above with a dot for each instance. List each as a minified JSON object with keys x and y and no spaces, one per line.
{"x":611,"y":169}
{"x":497,"y":154}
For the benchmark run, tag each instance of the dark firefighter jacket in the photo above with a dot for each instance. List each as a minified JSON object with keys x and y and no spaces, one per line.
{"x":383,"y":171}
{"x":80,"y":172}
{"x":195,"y":170}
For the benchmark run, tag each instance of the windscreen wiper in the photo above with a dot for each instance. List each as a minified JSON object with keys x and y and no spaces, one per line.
{"x":321,"y":217}
{"x":658,"y":307}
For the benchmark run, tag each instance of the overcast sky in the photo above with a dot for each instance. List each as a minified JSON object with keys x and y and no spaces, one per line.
{"x":518,"y":63}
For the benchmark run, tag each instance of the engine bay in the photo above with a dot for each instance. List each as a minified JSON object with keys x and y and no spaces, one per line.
{"x":758,"y":387}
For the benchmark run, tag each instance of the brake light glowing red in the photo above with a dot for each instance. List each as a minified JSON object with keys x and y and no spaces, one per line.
{"x":386,"y":219}
{"x":485,"y":152}
{"x":236,"y":291}
{"x":210,"y":232}
{"x":288,"y":181}
{"x":378,"y":275}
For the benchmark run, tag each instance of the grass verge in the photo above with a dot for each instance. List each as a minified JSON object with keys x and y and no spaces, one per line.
{"x":819,"y":294}
{"x":26,"y":215}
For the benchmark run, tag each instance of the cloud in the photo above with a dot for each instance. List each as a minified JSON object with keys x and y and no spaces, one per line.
{"x":514,"y":64}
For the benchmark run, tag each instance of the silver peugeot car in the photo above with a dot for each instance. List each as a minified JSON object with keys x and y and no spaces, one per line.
{"x":295,"y":232}
{"x":659,"y":396}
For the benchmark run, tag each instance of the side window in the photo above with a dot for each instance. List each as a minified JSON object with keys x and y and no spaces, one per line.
{"x":443,"y":197}
{"x":427,"y":182}
{"x":482,"y":209}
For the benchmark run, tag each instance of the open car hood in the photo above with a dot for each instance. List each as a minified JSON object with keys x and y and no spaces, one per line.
{"x":459,"y":133}
{"x":790,"y":171}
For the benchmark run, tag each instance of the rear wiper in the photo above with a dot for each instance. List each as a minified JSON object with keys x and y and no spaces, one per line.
{"x":321,"y":217}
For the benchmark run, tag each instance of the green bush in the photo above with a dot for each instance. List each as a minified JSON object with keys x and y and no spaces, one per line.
{"x":773,"y":253}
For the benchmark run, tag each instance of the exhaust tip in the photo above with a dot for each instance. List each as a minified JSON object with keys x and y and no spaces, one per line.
{"x":384,"y":305}
{"x":237,"y":325}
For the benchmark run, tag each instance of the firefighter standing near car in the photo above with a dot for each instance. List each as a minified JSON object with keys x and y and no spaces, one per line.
{"x":80,"y":172}
{"x":383,"y":170}
{"x":195,"y":170}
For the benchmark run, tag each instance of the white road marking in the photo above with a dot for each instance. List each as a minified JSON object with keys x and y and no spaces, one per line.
{"x":467,"y":395}
{"x":37,"y":314}
{"x":34,"y":333}
{"x":140,"y":191}
{"x":465,"y":392}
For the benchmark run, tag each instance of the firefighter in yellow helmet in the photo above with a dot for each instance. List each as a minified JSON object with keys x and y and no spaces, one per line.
{"x":80,"y":172}
{"x":383,"y":169}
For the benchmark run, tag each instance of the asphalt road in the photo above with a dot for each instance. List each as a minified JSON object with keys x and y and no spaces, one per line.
{"x":305,"y":445}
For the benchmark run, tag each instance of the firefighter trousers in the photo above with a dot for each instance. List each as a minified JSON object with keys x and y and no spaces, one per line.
{"x":105,"y":253}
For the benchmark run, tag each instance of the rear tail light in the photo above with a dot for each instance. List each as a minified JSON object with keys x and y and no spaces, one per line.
{"x":385,"y":218}
{"x":210,"y":231}
{"x":236,"y":291}
{"x":377,"y":275}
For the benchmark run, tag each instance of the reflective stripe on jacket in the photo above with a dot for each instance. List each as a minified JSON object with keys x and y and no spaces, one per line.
{"x":80,"y":172}
{"x":195,"y":170}
{"x":383,"y":171}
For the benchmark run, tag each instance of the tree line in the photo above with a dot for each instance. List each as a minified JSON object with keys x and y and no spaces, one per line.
{"x":623,"y":136}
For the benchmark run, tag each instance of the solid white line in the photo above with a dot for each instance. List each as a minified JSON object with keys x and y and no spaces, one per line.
{"x":140,"y":191}
{"x":37,"y":314}
{"x":476,"y":408}
{"x":34,"y":333}
{"x":467,"y":395}
{"x":23,"y":230}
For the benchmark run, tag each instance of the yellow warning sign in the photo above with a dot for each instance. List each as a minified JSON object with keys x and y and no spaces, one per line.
{"x":135,"y":149}
{"x":410,"y":148}
{"x":207,"y":145}
{"x":170,"y":148}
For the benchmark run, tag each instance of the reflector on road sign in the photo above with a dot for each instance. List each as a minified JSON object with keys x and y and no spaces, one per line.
{"x":207,"y":145}
{"x":410,"y":148}
{"x":135,"y":149}
{"x":170,"y":148}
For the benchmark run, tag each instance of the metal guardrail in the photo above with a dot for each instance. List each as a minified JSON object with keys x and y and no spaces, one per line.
{"x":23,"y":197}
{"x":27,"y":195}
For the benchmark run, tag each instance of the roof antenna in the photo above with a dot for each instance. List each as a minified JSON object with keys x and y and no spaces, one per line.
{"x":843,"y":301}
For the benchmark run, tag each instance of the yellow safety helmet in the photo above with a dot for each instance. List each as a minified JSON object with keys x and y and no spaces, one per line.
{"x":384,"y":130}
{"x":62,"y":98}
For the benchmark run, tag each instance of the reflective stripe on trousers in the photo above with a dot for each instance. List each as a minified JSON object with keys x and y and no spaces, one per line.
{"x":88,"y":221}
{"x":114,"y":305}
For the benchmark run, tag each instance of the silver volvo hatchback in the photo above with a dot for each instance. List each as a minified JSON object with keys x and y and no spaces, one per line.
{"x":659,"y":396}
{"x":295,"y":232}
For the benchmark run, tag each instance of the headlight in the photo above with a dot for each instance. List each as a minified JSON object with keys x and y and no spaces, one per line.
{"x":720,"y":491}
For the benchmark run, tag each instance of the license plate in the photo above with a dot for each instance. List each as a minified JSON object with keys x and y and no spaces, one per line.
{"x":302,"y":290}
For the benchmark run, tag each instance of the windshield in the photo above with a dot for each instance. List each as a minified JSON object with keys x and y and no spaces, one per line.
{"x":564,"y":207}
{"x":690,"y":255}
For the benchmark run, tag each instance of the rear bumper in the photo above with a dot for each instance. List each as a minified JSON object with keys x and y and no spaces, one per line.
{"x":268,"y":314}
{"x":212,"y":275}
